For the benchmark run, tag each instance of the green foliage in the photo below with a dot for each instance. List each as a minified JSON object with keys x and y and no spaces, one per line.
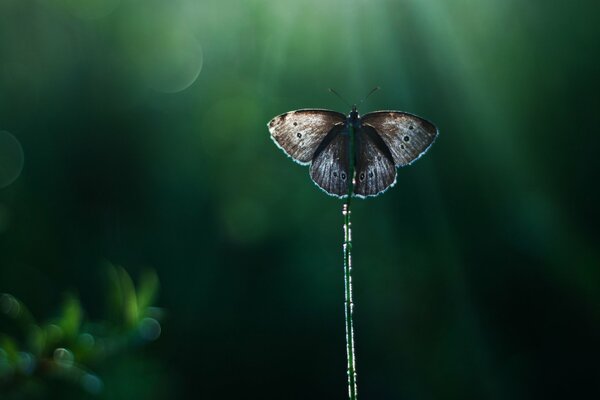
{"x":69,"y":347}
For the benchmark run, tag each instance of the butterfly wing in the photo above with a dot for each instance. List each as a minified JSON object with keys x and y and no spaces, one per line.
{"x":407,"y":136}
{"x":299,"y":133}
{"x":375,"y":169}
{"x":330,"y":165}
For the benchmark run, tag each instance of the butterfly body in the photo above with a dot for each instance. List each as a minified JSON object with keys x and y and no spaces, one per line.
{"x":337,"y":146}
{"x":353,"y":119}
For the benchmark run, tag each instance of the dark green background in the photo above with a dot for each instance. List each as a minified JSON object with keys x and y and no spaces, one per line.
{"x":476,"y":277}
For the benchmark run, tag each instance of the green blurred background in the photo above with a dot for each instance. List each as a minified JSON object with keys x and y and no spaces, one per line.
{"x":142,"y":125}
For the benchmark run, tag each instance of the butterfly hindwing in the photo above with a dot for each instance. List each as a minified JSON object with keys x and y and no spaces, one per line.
{"x":330,"y":166}
{"x":299,"y":133}
{"x":406,"y":135}
{"x":375,"y":169}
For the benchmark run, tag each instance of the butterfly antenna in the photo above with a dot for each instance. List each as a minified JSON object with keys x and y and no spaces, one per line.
{"x":340,"y":97}
{"x":376,"y":88}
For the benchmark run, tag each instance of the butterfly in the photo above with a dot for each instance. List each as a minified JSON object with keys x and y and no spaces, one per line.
{"x":372,"y":145}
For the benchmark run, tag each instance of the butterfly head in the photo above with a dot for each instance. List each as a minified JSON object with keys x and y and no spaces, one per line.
{"x":354,"y":113}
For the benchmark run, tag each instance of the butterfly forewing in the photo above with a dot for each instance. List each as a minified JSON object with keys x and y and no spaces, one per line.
{"x":299,"y":133}
{"x":407,"y":136}
{"x":330,"y":166}
{"x":375,"y":170}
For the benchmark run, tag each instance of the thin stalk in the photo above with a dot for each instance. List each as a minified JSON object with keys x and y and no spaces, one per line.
{"x":348,"y":304}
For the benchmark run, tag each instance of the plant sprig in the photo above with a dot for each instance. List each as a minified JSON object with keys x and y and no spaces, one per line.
{"x":68,"y":346}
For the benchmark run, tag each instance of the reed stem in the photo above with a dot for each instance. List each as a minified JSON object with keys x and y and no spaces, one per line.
{"x":348,"y":303}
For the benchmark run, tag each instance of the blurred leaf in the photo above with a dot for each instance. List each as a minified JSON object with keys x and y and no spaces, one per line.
{"x":36,"y":340}
{"x":71,"y":315}
{"x":10,"y":347}
{"x":147,"y":290}
{"x":64,"y":349}
{"x":53,"y":335}
{"x":122,"y":297}
{"x":130,"y":309}
{"x":114,"y":293}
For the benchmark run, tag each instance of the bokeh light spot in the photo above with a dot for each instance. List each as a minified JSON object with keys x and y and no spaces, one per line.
{"x":9,"y":305}
{"x":11,"y":159}
{"x":163,"y":52}
{"x":150,"y":329}
{"x":64,"y":357}
{"x":26,"y":363}
{"x":245,"y":219}
{"x":91,"y":383}
{"x":175,"y":63}
{"x":86,"y":340}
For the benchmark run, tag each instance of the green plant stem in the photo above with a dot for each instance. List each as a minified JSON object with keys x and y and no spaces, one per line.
{"x":348,"y":304}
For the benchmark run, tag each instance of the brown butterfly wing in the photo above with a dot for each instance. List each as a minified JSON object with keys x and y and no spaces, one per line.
{"x":375,"y":169}
{"x":331,"y":164}
{"x":407,"y":136}
{"x":299,"y":133}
